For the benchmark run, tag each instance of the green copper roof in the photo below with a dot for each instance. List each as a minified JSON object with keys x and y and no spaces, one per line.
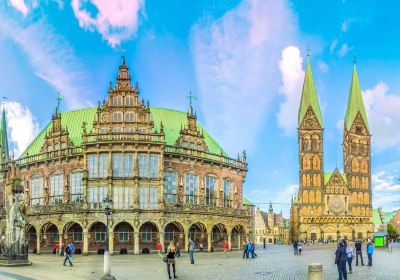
{"x":309,"y":96}
{"x":328,"y":175}
{"x":376,"y":217}
{"x":388,"y":216}
{"x":72,"y":120}
{"x":4,"y":140}
{"x":247,"y":202}
{"x":355,"y":103}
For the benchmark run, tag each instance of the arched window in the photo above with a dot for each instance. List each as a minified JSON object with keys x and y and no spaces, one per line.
{"x":355,"y":165}
{"x":37,"y":191}
{"x":117,"y":101}
{"x":211,"y":183}
{"x":316,"y":163}
{"x":364,"y":166}
{"x":129,"y":116}
{"x":191,"y":186}
{"x":129,"y":101}
{"x":227,"y":193}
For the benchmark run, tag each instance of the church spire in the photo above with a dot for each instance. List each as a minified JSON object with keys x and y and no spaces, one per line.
{"x":270,"y":210}
{"x":4,"y":140}
{"x":355,"y":103}
{"x":309,"y":96}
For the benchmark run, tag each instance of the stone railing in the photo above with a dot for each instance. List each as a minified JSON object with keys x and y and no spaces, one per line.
{"x":209,"y":209}
{"x":122,"y":137}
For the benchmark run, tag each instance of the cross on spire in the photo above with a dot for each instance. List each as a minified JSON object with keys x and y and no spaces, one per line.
{"x":308,"y":50}
{"x":355,"y":58}
{"x":191,"y":97}
{"x":123,"y":56}
{"x":59,"y":98}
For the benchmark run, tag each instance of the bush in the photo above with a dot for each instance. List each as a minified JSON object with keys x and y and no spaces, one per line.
{"x":78,"y":251}
{"x":145,"y":251}
{"x":100,"y":251}
{"x":123,"y":251}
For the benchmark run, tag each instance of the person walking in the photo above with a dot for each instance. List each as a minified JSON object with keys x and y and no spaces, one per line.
{"x":201,"y":247}
{"x":340,"y":261}
{"x":191,"y":250}
{"x":57,"y":249}
{"x":71,"y":247}
{"x":245,"y":253}
{"x":370,"y":251}
{"x":350,"y":255}
{"x":159,"y":249}
{"x":178,"y":250}
{"x":226,"y":248}
{"x":299,"y":248}
{"x":296,"y":252}
{"x":249,"y":250}
{"x":171,"y":251}
{"x":359,"y":252}
{"x":68,"y":255}
{"x":253,"y":246}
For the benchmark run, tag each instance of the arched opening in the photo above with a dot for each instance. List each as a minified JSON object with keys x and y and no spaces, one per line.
{"x":49,"y":238}
{"x":174,"y":232}
{"x":123,"y":238}
{"x":32,"y":237}
{"x":198,"y":233}
{"x":270,"y":240}
{"x":238,"y":234}
{"x":148,"y":237}
{"x":97,"y":237}
{"x":218,"y":236}
{"x":73,"y":232}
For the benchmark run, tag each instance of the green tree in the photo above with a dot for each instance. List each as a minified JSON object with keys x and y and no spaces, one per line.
{"x":392,"y":232}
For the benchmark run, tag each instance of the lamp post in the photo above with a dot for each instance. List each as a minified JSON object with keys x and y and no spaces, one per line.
{"x":107,"y":258}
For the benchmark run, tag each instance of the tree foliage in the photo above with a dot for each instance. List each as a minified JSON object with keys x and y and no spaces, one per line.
{"x":392,"y":232}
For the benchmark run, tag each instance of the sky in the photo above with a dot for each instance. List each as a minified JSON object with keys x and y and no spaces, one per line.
{"x":244,"y":60}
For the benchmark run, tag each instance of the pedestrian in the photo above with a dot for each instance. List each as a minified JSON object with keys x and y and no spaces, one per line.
{"x":159,"y":249}
{"x":72,"y":248}
{"x":350,"y":255}
{"x":370,"y":251}
{"x":340,"y":261}
{"x":171,"y":251}
{"x":201,"y":247}
{"x":299,"y":248}
{"x":245,"y":253}
{"x":191,"y":250}
{"x":253,"y":249}
{"x":249,"y":250}
{"x":68,"y":255}
{"x":359,"y":252}
{"x":296,"y":252}
{"x":57,"y":248}
{"x":226,"y":248}
{"x":178,"y":249}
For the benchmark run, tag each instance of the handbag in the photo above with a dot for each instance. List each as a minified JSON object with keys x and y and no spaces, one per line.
{"x":165,"y":259}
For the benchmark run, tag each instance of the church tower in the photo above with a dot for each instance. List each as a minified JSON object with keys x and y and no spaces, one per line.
{"x":357,"y":151}
{"x":310,"y":139}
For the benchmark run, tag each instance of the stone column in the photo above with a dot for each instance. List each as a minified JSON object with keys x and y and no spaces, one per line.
{"x":229,"y":241}
{"x":111,"y":242}
{"x":85,"y":251}
{"x":239,"y":241}
{"x":186,"y":242}
{"x":136,"y":243}
{"x":38,"y":244}
{"x":162,"y":240}
{"x":209,"y":242}
{"x":60,"y":241}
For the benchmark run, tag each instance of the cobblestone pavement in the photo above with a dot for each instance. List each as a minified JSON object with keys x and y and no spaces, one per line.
{"x":276,"y":262}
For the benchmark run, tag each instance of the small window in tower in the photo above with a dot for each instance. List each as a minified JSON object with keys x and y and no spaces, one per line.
{"x":129,"y":101}
{"x":117,"y":101}
{"x":117,"y":117}
{"x":358,"y":129}
{"x":129,"y":116}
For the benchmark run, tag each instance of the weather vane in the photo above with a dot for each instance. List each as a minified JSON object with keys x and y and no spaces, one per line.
{"x":58,"y":98}
{"x":191,"y":97}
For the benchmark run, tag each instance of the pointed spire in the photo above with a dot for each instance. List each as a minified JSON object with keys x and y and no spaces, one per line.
{"x":5,"y":156}
{"x":355,"y":103}
{"x":270,"y":210}
{"x":309,"y":96}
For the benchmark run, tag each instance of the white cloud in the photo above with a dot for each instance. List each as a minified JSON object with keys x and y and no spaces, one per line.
{"x":235,"y":58}
{"x":51,"y":57}
{"x":333,"y":46}
{"x":347,"y":22}
{"x":292,"y":74}
{"x":116,"y":20}
{"x":323,"y":67}
{"x":20,"y":6}
{"x":344,"y":49}
{"x":340,"y":125}
{"x":383,"y":116}
{"x":286,"y":195}
{"x":22,"y":126}
{"x":386,"y":190}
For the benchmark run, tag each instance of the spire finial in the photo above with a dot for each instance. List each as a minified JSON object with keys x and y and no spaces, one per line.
{"x":58,"y":98}
{"x":191,"y":97}
{"x":308,"y":51}
{"x":355,"y":59}
{"x":4,"y":102}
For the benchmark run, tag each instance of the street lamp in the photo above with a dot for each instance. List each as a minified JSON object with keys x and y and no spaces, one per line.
{"x":107,"y":258}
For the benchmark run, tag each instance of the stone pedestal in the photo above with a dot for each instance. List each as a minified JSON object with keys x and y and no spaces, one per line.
{"x":107,"y":267}
{"x":315,"y":271}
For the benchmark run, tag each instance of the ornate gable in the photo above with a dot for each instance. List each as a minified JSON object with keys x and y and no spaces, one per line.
{"x":190,"y":135}
{"x":57,"y":138}
{"x":336,"y":184}
{"x":310,"y":120}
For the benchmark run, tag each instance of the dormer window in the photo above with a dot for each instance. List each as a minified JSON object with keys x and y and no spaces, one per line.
{"x":129,"y":116}
{"x":129,"y":101}
{"x":117,"y":101}
{"x":117,"y":117}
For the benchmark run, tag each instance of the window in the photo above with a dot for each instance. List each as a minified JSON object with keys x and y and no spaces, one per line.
{"x":76,"y":187}
{"x":148,"y":197}
{"x":170,"y":187}
{"x":96,"y":196}
{"x":117,"y":165}
{"x":128,"y":165}
{"x":129,"y":116}
{"x":227,"y":193}
{"x":117,"y":117}
{"x":210,"y":190}
{"x":36,"y":191}
{"x":169,"y":233}
{"x":77,"y":233}
{"x":123,"y":197}
{"x":147,"y":232}
{"x":56,"y":189}
{"x":99,"y":233}
{"x":117,"y":101}
{"x":123,"y":233}
{"x":98,"y":165}
{"x":129,"y":101}
{"x":191,"y":183}
{"x":148,"y":166}
{"x":103,"y":165}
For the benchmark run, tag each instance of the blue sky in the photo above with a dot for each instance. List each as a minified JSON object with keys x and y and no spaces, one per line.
{"x":244,"y":60}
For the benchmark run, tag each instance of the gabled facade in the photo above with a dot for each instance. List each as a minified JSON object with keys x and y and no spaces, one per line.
{"x":269,"y":226}
{"x":331,"y":205}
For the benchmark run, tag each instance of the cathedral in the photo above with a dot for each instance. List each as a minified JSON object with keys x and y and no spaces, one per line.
{"x":331,"y":205}
{"x":162,"y":175}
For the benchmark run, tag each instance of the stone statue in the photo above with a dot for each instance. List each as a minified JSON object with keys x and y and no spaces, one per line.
{"x":16,"y":222}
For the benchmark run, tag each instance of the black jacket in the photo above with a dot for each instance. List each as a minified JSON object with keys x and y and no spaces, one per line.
{"x":358,"y":246}
{"x":340,"y":255}
{"x":68,"y":250}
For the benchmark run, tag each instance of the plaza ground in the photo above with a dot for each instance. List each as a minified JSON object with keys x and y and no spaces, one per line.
{"x":276,"y":262}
